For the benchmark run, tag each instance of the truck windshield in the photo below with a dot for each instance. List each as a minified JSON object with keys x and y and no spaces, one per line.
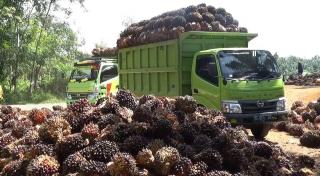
{"x":84,"y":72}
{"x":248,"y":64}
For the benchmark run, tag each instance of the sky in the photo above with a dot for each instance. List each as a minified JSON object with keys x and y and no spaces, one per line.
{"x":288,"y":27}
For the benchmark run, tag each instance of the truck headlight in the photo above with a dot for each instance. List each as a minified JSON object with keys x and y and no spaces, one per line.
{"x":231,"y":107}
{"x":92,"y":96}
{"x":281,"y":104}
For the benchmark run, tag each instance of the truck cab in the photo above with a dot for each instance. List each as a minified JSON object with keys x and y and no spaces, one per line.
{"x":245,"y":84}
{"x":93,"y":78}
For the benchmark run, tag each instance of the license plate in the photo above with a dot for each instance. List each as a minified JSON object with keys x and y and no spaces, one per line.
{"x":262,"y":118}
{"x":266,"y":117}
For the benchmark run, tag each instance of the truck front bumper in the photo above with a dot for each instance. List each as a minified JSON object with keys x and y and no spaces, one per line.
{"x":71,"y":101}
{"x":258,"y":118}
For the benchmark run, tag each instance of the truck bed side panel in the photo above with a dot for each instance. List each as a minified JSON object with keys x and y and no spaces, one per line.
{"x":151,"y":69}
{"x":164,"y":68}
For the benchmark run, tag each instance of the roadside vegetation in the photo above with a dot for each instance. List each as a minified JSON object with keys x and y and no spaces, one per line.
{"x":289,"y":65}
{"x":37,"y":49}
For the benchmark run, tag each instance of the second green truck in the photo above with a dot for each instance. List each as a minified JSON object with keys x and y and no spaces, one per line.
{"x":217,"y":69}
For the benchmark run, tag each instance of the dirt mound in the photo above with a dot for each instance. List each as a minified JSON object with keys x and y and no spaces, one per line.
{"x":307,"y":80}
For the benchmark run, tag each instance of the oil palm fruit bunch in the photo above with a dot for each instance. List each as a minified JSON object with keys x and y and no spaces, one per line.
{"x":90,"y":131}
{"x":194,"y":17}
{"x":122,"y":164}
{"x":134,"y":144}
{"x":199,"y":168}
{"x":100,"y":151}
{"x":211,"y":157}
{"x":208,"y":17}
{"x":72,"y":163}
{"x":54,"y":129}
{"x":182,"y":167}
{"x":40,"y":149}
{"x":263,"y":149}
{"x":179,"y":21}
{"x":165,"y":136}
{"x":205,"y":26}
{"x":191,"y":9}
{"x":295,"y":129}
{"x":70,"y":144}
{"x":145,"y":159}
{"x":126,"y":99}
{"x":311,"y":139}
{"x":165,"y":159}
{"x":80,"y":106}
{"x":37,"y":116}
{"x":91,"y":167}
{"x":43,"y":165}
{"x":15,"y":168}
{"x":302,"y":116}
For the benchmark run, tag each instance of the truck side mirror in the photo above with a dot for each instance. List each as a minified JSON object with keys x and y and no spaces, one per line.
{"x":94,"y":74}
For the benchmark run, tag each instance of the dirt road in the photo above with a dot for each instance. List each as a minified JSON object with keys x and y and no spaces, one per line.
{"x":28,"y":107}
{"x":291,"y":144}
{"x":303,"y":93}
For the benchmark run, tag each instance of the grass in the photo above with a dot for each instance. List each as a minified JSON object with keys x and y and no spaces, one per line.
{"x":36,"y":98}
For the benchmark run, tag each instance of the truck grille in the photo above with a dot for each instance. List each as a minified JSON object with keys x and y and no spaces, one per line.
{"x":77,"y":96}
{"x":250,"y":107}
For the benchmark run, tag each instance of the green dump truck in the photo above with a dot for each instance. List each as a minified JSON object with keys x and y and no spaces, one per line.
{"x":93,"y":78}
{"x":217,"y":69}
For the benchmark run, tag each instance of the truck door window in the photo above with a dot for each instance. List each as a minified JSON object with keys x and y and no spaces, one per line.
{"x":202,"y":69}
{"x":83,"y":72}
{"x":108,"y":72}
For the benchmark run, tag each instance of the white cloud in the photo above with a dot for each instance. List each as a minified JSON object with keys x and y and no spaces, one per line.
{"x":289,"y":27}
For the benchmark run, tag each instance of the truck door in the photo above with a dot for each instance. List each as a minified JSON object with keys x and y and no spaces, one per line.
{"x":109,"y":80}
{"x":205,"y":81}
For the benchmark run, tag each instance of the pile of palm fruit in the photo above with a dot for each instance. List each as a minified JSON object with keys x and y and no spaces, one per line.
{"x":171,"y":24}
{"x":124,"y":135}
{"x":306,"y":80}
{"x":304,"y":121}
{"x":105,"y":52}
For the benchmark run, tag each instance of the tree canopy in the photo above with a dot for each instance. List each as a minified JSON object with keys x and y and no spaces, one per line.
{"x":36,"y":47}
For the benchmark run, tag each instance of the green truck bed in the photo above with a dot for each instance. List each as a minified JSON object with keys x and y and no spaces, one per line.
{"x":163,"y":68}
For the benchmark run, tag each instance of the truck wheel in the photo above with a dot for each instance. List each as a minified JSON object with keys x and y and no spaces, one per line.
{"x":200,"y":105}
{"x":260,"y":131}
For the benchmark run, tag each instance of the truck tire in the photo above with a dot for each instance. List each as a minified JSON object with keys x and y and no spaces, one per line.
{"x":260,"y":131}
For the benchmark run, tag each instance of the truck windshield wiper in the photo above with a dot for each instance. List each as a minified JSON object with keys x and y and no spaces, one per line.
{"x":251,"y":75}
{"x":270,"y":75}
{"x":244,"y":78}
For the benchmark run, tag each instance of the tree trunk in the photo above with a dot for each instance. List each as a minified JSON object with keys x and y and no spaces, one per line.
{"x":17,"y":61}
{"x":31,"y":78}
{"x":32,"y":81}
{"x":36,"y":78}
